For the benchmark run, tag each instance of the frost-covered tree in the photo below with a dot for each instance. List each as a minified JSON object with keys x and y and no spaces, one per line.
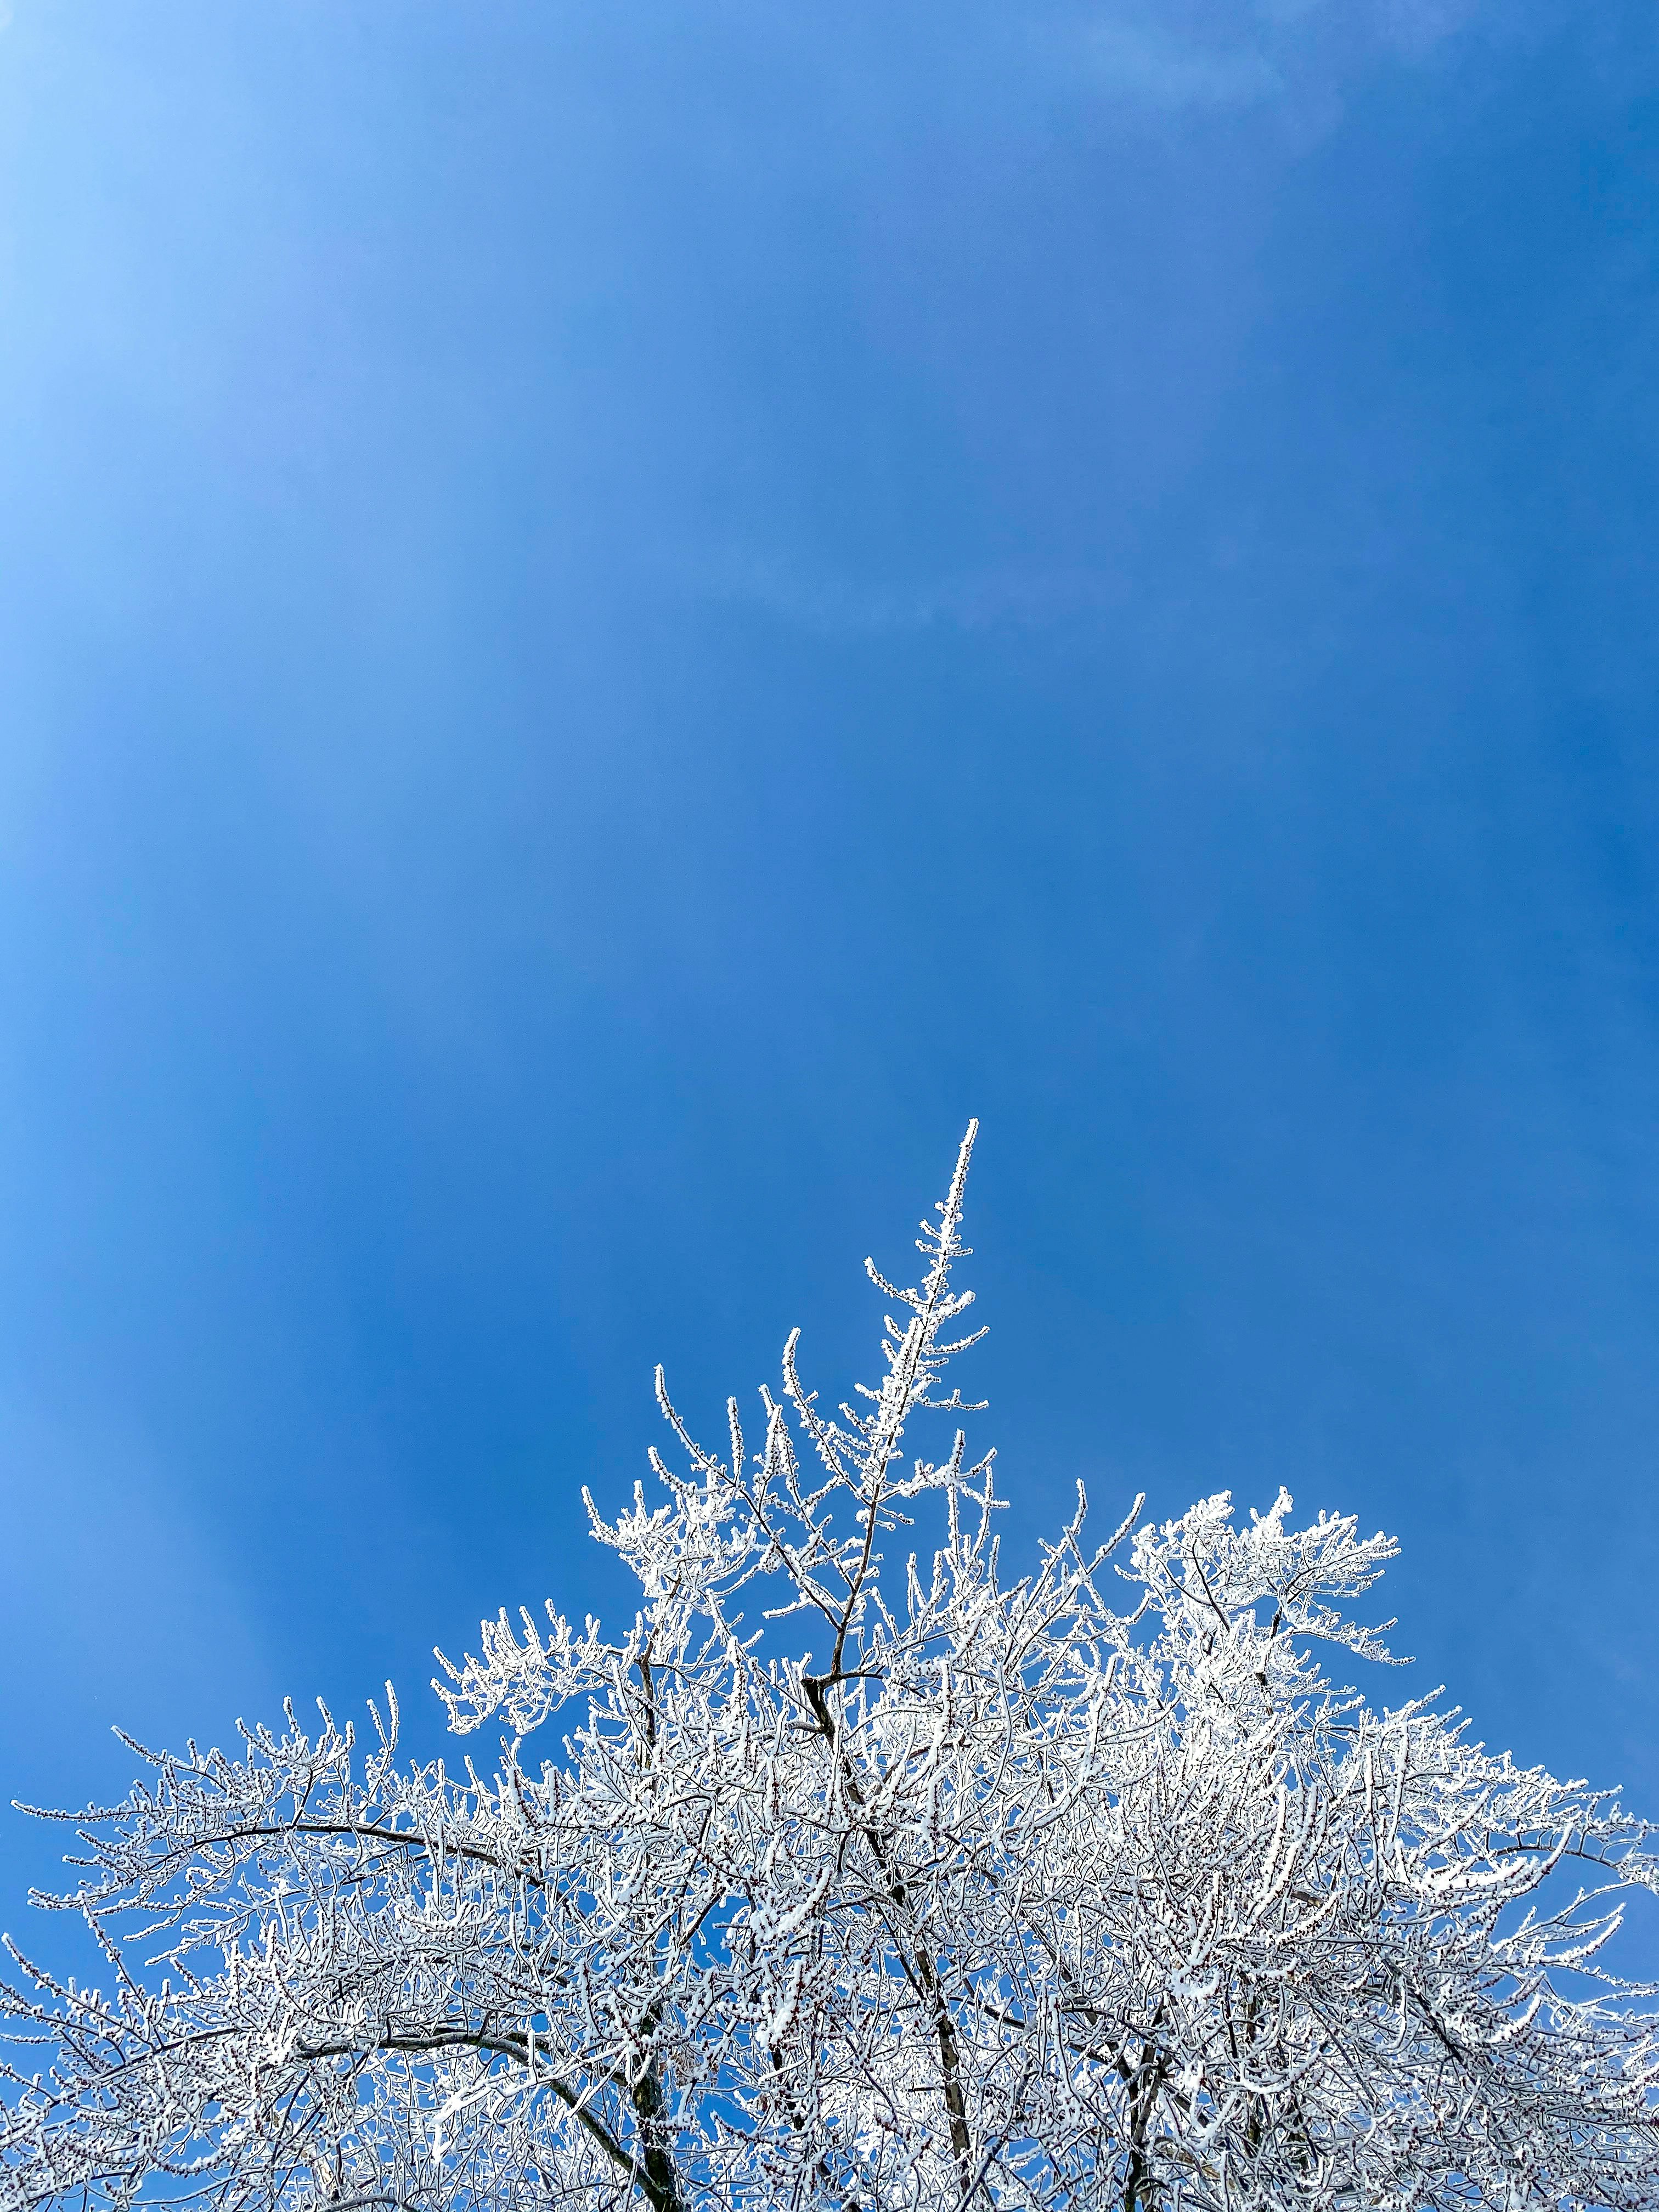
{"x":1089,"y":1889}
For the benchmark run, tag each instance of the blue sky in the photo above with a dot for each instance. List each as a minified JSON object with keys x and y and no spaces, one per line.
{"x":616,"y":616}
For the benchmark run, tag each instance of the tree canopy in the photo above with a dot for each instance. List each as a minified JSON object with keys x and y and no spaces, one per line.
{"x":1090,"y":1888}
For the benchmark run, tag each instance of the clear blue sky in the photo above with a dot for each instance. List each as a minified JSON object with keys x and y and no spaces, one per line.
{"x":615,"y":616}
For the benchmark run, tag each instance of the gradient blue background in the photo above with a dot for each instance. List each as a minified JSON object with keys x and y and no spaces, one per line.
{"x":615,"y":616}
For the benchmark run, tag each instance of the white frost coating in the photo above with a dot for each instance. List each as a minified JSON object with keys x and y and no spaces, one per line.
{"x":1091,"y":1891}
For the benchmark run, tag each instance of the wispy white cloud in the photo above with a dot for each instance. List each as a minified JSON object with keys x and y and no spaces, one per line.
{"x":834,"y":604}
{"x":1416,"y":28}
{"x":1165,"y":72}
{"x":1170,"y":58}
